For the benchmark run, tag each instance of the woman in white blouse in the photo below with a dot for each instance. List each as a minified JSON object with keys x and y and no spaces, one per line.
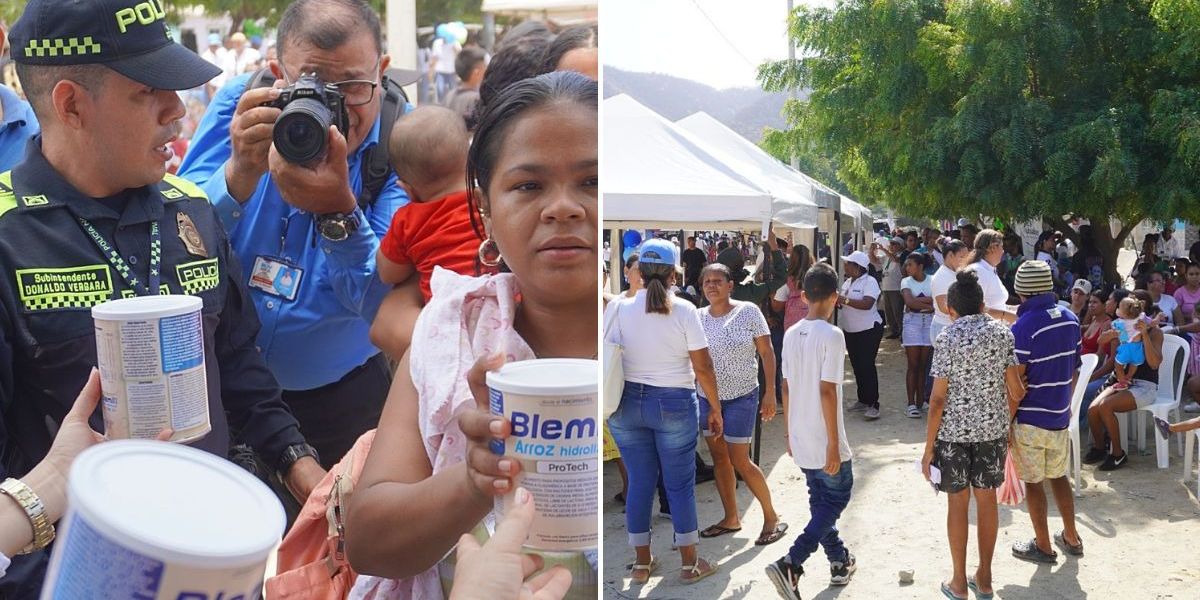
{"x":989,"y":251}
{"x":863,"y":326}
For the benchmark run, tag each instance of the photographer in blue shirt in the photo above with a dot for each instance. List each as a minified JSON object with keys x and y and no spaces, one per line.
{"x":306,"y":243}
{"x":17,"y":121}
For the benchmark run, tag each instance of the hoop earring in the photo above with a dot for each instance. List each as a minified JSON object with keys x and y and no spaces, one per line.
{"x":489,"y":248}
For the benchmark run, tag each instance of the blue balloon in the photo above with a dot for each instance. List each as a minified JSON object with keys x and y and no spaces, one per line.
{"x":632,"y":239}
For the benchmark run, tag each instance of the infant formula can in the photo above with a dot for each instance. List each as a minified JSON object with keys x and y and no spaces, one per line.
{"x":159,"y":521}
{"x":551,"y":404}
{"x":151,"y":355}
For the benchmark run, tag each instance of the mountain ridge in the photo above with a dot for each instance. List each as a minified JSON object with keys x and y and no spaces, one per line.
{"x":745,"y":110}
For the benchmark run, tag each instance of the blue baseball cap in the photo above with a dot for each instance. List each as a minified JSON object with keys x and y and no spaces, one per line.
{"x":214,"y":39}
{"x":127,"y":36}
{"x":657,"y":252}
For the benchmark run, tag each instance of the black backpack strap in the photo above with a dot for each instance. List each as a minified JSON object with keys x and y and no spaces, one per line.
{"x":376,"y":166}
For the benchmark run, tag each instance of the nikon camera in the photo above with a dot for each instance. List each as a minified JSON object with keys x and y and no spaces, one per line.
{"x":309,"y":107}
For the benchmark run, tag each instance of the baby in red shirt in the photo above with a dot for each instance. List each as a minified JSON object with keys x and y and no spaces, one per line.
{"x":428,"y":148}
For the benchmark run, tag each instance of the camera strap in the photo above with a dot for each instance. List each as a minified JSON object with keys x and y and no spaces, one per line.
{"x":376,"y":166}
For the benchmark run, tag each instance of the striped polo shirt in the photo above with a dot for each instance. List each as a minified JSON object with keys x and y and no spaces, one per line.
{"x":1047,"y":343}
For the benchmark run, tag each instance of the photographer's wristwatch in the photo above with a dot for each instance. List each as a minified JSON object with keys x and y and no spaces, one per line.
{"x":336,"y":227}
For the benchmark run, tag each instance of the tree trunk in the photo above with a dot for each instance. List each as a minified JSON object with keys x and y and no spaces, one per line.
{"x":1107,"y":244}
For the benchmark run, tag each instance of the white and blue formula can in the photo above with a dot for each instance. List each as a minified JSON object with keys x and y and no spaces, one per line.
{"x":150,"y":350}
{"x":551,"y":404}
{"x":155,"y":521}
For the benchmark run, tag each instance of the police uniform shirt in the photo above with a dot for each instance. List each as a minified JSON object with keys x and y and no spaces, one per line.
{"x":52,"y":273}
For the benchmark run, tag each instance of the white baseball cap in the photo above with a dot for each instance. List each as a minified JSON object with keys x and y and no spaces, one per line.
{"x":859,"y":258}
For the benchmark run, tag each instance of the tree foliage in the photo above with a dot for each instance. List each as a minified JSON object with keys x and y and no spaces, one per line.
{"x":1011,"y":108}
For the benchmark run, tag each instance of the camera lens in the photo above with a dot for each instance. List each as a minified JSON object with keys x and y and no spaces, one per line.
{"x":302,"y":130}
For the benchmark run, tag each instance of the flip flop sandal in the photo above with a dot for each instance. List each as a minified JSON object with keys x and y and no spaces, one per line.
{"x":648,"y":568}
{"x":695,"y":570}
{"x":1030,"y":552}
{"x":971,"y":585}
{"x":947,"y":592}
{"x":1061,"y":540}
{"x":717,"y":530}
{"x":770,"y":537}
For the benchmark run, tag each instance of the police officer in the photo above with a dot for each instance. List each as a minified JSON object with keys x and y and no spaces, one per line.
{"x":90,"y":215}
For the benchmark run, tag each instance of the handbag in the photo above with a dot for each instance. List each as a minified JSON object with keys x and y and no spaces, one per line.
{"x":312,"y":562}
{"x":614,"y":372}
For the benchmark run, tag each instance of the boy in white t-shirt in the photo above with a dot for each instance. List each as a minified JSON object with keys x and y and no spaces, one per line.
{"x":813,"y":368}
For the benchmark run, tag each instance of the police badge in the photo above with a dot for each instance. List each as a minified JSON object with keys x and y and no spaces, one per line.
{"x":191,"y":238}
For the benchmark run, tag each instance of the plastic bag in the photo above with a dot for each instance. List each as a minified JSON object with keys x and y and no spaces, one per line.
{"x":1012,"y":491}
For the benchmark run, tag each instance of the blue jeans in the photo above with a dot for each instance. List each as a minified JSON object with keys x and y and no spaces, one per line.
{"x":827,"y":498}
{"x":652,"y":426}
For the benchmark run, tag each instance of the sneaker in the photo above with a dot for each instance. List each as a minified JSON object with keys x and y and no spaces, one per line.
{"x":1163,"y":428}
{"x":1094,"y":456}
{"x":1120,"y":385}
{"x":1112,"y":463}
{"x":871,"y":413}
{"x":858,"y":407}
{"x":1191,"y":407}
{"x":913,"y":412}
{"x":925,"y":408}
{"x":785,"y":577}
{"x":840,"y":572}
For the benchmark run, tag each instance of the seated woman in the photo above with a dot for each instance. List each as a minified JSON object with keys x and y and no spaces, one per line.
{"x":1102,"y":419}
{"x":534,"y":159}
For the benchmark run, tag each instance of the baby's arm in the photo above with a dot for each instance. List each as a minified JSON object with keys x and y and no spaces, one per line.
{"x":392,"y":272}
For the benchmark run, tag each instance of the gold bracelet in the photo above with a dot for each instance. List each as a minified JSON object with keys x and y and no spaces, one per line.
{"x":43,"y":530}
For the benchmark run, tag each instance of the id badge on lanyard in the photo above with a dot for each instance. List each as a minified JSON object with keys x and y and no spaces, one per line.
{"x":276,"y":276}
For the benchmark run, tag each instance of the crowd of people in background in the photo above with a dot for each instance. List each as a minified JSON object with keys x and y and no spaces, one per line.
{"x":992,"y":340}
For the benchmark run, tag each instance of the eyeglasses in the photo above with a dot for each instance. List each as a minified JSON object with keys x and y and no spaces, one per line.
{"x":357,"y":92}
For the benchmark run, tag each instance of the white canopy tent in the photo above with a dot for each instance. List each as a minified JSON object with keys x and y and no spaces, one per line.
{"x":792,"y":204}
{"x":657,"y":175}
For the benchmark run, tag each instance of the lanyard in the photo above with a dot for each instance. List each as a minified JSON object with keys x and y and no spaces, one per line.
{"x":110,"y":252}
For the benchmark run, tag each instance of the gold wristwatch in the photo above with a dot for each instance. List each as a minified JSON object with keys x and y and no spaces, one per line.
{"x":43,"y":531}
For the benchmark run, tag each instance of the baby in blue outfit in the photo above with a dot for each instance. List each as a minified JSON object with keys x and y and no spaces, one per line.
{"x":1130,"y":353}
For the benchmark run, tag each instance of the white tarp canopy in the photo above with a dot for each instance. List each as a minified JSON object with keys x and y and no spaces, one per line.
{"x":556,"y":10}
{"x":793,"y":205}
{"x":657,"y":175}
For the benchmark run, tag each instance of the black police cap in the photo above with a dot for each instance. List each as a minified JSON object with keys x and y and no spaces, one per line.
{"x":128,"y":36}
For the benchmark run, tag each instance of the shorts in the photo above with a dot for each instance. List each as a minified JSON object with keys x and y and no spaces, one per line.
{"x":610,"y":445}
{"x":1131,"y":353}
{"x":1041,"y":453}
{"x":1144,"y":392}
{"x":916,"y":329}
{"x":979,"y":465}
{"x":738,"y":417}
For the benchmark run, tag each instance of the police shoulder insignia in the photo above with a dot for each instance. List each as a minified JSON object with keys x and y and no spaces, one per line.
{"x":190,"y":236}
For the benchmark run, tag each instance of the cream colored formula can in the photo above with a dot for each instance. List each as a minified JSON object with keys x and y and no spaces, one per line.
{"x":158,"y":521}
{"x":151,"y":355}
{"x":551,"y":404}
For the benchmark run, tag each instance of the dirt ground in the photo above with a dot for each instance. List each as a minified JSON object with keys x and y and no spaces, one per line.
{"x":1139,"y":525}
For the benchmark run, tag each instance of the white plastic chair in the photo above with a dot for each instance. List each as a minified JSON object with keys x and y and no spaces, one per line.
{"x":1171,"y":375}
{"x":1191,"y":436}
{"x":1086,"y":368}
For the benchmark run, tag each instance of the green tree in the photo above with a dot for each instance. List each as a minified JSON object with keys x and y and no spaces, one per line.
{"x":1016,"y":109}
